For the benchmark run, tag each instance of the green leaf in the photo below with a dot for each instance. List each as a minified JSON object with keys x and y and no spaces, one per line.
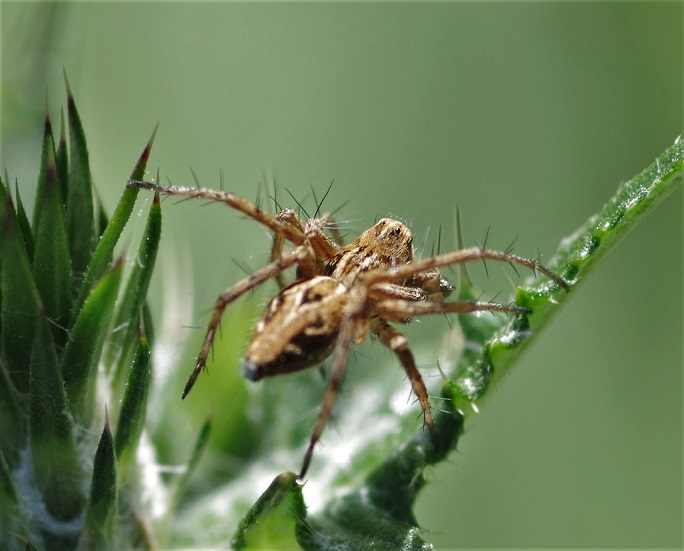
{"x":378,"y":513}
{"x":51,"y":263}
{"x":62,"y":158}
{"x":10,"y":517}
{"x":134,"y":406}
{"x":84,"y":348}
{"x":80,"y":214}
{"x":47,"y":152}
{"x":102,"y":221}
{"x":56,"y":464}
{"x":12,"y":418}
{"x":24,"y":225}
{"x":99,"y":530}
{"x":352,"y":524}
{"x":576,"y":256}
{"x":20,"y":300}
{"x":147,"y":321}
{"x":8,"y":493}
{"x":133,"y":298}
{"x":105,"y":247}
{"x":274,"y":518}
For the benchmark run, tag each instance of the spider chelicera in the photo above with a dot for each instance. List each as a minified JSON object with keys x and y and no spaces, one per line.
{"x":340,"y":295}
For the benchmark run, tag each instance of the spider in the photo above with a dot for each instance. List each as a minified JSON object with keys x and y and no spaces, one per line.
{"x":341,"y":294}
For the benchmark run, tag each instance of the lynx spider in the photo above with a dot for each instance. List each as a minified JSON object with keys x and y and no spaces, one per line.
{"x":341,"y":293}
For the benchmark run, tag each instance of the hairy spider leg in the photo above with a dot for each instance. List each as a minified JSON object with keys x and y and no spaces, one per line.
{"x":447,"y":259}
{"x":290,"y":232}
{"x":398,"y":343}
{"x":290,"y":217}
{"x":324,"y":248}
{"x":394,"y":308}
{"x":352,"y":330}
{"x":297,"y":255}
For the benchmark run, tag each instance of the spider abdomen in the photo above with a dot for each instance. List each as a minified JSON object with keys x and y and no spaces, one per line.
{"x":298,"y":328}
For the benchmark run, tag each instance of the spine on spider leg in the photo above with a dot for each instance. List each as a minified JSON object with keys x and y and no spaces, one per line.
{"x":515,"y":259}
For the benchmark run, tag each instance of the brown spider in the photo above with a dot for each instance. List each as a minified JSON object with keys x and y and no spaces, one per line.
{"x":341,"y":293}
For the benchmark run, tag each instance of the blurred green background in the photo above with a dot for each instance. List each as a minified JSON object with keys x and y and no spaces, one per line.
{"x":527,"y":116}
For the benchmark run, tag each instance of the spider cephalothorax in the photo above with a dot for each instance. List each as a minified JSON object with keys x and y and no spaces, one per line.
{"x":340,"y":295}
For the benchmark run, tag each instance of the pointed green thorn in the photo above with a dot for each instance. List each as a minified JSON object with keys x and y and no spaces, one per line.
{"x":110,"y":237}
{"x":99,"y":530}
{"x":51,"y":262}
{"x":24,"y":225}
{"x":20,"y":300}
{"x":133,"y":298}
{"x":140,"y":167}
{"x":62,"y":156}
{"x":47,"y":163}
{"x":80,"y":211}
{"x":84,"y":348}
{"x":134,"y":405}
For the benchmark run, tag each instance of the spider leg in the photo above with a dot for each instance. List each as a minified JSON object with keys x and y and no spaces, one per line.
{"x":401,"y":309}
{"x":323,"y":247}
{"x":350,"y":333}
{"x":397,"y":343}
{"x":289,"y":258}
{"x":387,"y":291}
{"x":289,"y":232}
{"x":405,"y":271}
{"x":291,"y":218}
